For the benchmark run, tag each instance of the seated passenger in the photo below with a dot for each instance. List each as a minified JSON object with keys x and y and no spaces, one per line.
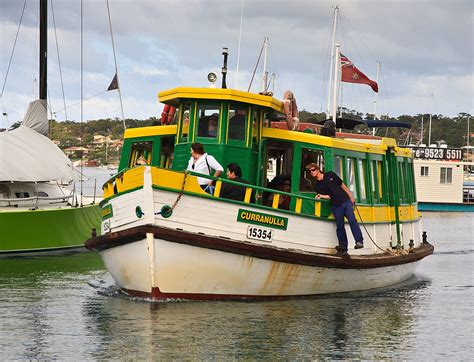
{"x":231,"y":191}
{"x":280,"y":183}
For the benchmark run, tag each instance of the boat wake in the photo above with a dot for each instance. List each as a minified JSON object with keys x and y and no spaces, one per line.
{"x":454,"y":252}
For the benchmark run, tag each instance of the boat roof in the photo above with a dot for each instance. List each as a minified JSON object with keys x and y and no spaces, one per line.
{"x":173,"y":96}
{"x":349,"y":123}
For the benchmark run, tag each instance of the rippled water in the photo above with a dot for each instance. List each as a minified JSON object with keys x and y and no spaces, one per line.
{"x":67,"y":307}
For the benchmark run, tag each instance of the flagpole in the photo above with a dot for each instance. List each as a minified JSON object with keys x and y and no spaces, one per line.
{"x":336,"y":10}
{"x":336,"y":66}
{"x":265,"y":71}
{"x":238,"y":50}
{"x":376,"y":93}
{"x":116,"y":67}
{"x":422,"y":130}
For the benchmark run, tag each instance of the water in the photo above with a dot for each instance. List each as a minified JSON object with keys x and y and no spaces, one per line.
{"x":67,"y":307}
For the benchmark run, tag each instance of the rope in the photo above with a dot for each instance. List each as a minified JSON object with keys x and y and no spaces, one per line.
{"x":370,"y":237}
{"x":13,"y":50}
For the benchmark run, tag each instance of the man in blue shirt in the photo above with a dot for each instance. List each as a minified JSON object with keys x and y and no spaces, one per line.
{"x":329,"y":186}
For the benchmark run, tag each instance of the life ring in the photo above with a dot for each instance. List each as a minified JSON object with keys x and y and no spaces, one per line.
{"x":291,"y":110}
{"x":167,"y":114}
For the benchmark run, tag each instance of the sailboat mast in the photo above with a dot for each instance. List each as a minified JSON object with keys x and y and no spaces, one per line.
{"x":43,"y":52}
{"x":336,"y":11}
{"x":265,"y":71}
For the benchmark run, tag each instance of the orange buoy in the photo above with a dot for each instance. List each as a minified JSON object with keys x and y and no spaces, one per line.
{"x":167,"y":114}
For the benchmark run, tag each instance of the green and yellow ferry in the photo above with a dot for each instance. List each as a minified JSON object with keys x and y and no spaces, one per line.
{"x":164,"y":237}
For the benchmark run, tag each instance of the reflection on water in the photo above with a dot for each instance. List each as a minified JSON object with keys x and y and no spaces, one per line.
{"x":352,"y":326}
{"x":67,"y":307}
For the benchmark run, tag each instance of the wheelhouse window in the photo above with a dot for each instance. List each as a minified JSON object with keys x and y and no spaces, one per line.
{"x":424,"y":171}
{"x":446,"y":175}
{"x":141,"y":154}
{"x":185,"y":116}
{"x":237,"y":122}
{"x":309,"y":156}
{"x":208,"y":121}
{"x":167,"y":152}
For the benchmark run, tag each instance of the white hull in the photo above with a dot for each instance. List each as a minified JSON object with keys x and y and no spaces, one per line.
{"x":203,"y":250}
{"x":174,"y":270}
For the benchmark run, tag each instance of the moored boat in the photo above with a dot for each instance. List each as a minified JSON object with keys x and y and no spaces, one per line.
{"x":40,"y":212}
{"x":163,"y":236}
{"x":440,"y":179}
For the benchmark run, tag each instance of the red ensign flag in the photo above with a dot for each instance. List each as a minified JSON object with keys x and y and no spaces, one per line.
{"x":350,"y":74}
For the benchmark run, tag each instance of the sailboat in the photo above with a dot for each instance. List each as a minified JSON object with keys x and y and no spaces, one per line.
{"x":39,"y":209}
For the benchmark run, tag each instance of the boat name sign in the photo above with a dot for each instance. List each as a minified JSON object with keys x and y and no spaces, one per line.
{"x":258,"y":218}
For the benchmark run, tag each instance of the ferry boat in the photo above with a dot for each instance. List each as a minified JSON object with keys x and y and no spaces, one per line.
{"x":442,"y":179}
{"x":164,"y":237}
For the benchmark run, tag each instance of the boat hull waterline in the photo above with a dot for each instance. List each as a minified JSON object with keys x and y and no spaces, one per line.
{"x":161,"y":263}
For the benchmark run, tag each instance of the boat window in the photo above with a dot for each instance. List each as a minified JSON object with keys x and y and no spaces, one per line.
{"x":351,"y":180}
{"x":237,"y":122}
{"x":41,"y":194}
{"x":208,"y":123}
{"x":362,"y":178}
{"x":255,"y":127}
{"x":280,"y":156}
{"x":377,"y":182}
{"x":424,"y":171}
{"x":185,"y":123}
{"x":309,"y":156}
{"x":167,"y":152}
{"x":338,"y":166}
{"x":446,"y":175}
{"x":22,"y":194}
{"x":140,"y":154}
{"x":402,"y":186}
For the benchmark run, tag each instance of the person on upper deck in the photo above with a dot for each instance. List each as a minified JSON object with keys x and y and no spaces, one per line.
{"x":330,"y":187}
{"x":231,"y":191}
{"x":201,"y":162}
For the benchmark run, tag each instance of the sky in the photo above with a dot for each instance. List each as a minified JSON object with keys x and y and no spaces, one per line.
{"x":425,"y":51}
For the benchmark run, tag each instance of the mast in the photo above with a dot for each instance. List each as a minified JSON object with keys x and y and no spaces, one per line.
{"x":43,"y":51}
{"x":336,"y":79}
{"x":265,"y":71}
{"x":431,"y":114}
{"x":422,"y":130}
{"x":336,"y":11}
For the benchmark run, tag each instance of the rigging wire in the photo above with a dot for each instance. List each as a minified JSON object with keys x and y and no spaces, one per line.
{"x":256,"y":65}
{"x":82,"y":103}
{"x":13,"y":49}
{"x":59,"y":60}
{"x":79,"y":102}
{"x":116,"y":67}
{"x":238,"y":49}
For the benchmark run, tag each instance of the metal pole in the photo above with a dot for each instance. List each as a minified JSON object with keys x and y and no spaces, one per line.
{"x":336,"y":78}
{"x":375,"y":97}
{"x":225,"y":53}
{"x":43,"y":53}
{"x":431,"y":113}
{"x":265,"y":72}
{"x":336,"y":10}
{"x":238,"y":49}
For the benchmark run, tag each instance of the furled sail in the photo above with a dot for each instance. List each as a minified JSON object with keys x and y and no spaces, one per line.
{"x":27,"y":156}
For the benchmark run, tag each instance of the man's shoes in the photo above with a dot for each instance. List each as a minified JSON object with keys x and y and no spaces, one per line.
{"x":343,"y":254}
{"x":359,"y":245}
{"x":338,"y":247}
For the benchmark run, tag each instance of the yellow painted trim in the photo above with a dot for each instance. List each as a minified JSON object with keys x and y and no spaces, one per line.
{"x":248,"y":194}
{"x":317,"y":208}
{"x":322,"y":140}
{"x":172,"y":96}
{"x":299,"y":203}
{"x":150,"y":131}
{"x":276,"y":200}
{"x":217,"y":190}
